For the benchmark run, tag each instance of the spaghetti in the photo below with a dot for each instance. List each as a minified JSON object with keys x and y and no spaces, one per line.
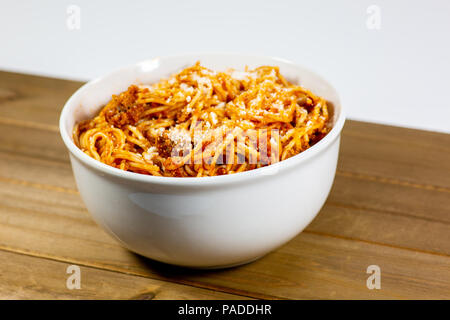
{"x":201,"y":123}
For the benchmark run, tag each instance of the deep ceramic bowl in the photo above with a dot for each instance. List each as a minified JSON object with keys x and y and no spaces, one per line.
{"x":206,"y":222}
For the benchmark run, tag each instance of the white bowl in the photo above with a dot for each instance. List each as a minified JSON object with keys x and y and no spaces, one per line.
{"x":207,"y":222}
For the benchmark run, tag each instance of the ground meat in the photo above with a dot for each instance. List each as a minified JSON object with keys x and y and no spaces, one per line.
{"x":221,"y":171}
{"x":163,"y":144}
{"x":124,"y":110}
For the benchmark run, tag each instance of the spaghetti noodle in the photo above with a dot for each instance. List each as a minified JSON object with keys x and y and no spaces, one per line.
{"x":201,"y":123}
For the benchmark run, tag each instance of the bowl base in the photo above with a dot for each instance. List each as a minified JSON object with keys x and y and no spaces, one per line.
{"x":231,"y":265}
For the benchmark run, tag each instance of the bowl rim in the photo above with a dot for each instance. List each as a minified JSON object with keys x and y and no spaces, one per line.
{"x":192,"y":181}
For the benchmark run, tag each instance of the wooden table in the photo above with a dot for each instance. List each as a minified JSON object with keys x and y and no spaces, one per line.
{"x":390,"y":206}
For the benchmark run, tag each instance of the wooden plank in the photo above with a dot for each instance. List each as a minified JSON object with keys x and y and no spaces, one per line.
{"x":313,"y":265}
{"x":33,"y":99}
{"x":51,"y":173}
{"x":310,"y":267}
{"x":390,"y":204}
{"x":415,"y":156}
{"x":27,"y":277}
{"x":32,"y":142}
{"x":407,"y":212}
{"x":382,"y":226}
{"x":373,"y":194}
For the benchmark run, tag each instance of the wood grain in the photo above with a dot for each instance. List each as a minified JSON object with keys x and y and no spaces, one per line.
{"x":390,"y":206}
{"x":419,"y":157}
{"x":25,"y":277}
{"x":32,"y":99}
{"x":364,"y":200}
{"x":313,"y":265}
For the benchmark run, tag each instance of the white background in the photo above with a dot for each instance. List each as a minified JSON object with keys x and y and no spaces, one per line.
{"x":396,"y":75}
